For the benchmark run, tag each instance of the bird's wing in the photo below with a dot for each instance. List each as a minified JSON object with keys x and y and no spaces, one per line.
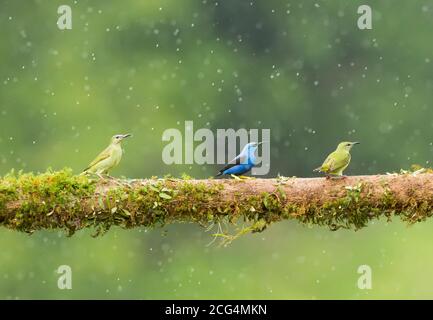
{"x":335,"y":161}
{"x":238,"y":160}
{"x":102,"y":156}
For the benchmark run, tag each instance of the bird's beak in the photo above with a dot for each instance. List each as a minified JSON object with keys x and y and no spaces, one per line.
{"x":262,"y":142}
{"x":353,"y":143}
{"x":127,"y":135}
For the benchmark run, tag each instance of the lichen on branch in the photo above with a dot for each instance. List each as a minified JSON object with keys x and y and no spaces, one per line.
{"x":62,"y":200}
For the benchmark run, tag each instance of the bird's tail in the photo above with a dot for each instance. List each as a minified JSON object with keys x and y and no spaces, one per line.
{"x":218,"y":174}
{"x":319,"y":169}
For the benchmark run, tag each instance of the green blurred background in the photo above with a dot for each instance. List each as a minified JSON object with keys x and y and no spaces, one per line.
{"x":303,"y":69}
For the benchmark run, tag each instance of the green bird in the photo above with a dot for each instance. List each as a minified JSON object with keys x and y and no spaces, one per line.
{"x":337,"y":161}
{"x":109,"y":158}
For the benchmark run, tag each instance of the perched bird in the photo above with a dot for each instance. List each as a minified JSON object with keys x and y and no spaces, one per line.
{"x":243,"y":162}
{"x":337,"y":161}
{"x":109,"y":158}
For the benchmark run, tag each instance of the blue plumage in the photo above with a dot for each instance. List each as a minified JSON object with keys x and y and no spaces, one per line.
{"x":238,"y":170}
{"x":243,"y":163}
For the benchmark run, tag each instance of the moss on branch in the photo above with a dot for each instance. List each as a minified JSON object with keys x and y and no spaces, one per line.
{"x":61,"y":200}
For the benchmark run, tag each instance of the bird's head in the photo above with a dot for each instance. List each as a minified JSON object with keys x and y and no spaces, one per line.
{"x":119,"y":137}
{"x":346,"y":145}
{"x":251,"y":147}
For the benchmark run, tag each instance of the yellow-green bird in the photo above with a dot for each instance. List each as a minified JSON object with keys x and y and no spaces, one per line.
{"x":337,"y":161}
{"x":109,"y":158}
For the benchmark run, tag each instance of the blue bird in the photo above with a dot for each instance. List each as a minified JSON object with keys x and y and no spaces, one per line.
{"x":243,"y":162}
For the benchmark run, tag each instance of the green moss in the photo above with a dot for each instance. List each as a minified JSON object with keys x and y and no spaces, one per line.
{"x":46,"y":200}
{"x":61,"y":200}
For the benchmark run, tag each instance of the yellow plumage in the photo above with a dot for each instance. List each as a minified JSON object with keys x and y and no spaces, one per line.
{"x":338,"y":160}
{"x":109,"y":158}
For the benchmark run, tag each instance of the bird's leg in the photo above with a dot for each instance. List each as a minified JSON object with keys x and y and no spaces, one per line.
{"x":115,"y":180}
{"x":235,"y":177}
{"x":104,"y":175}
{"x":100,"y":176}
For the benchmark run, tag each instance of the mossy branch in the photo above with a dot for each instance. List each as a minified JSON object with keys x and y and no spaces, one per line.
{"x":61,"y":200}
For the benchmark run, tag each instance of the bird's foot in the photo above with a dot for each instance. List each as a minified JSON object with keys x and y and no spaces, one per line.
{"x":242,"y":177}
{"x":331,"y":177}
{"x":342,"y":177}
{"x":113,"y":179}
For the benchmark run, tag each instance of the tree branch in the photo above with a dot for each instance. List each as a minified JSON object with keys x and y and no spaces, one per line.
{"x":61,"y":200}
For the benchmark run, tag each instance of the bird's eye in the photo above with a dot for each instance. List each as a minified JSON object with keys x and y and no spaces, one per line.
{"x":348,"y":144}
